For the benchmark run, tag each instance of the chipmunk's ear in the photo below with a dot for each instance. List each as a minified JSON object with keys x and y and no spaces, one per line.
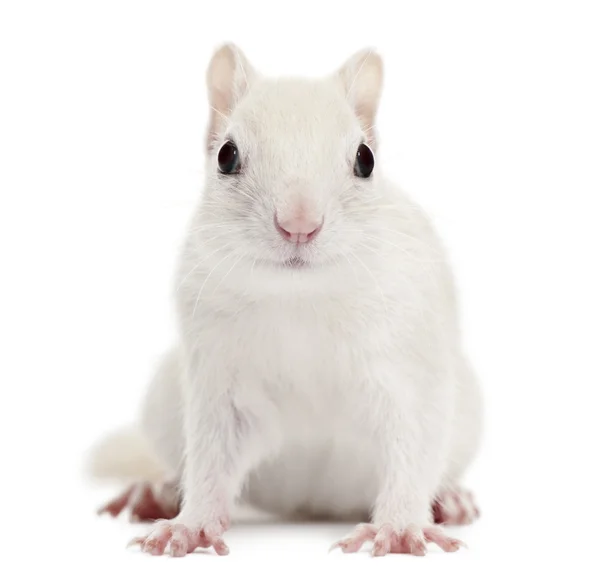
{"x":362,"y":79}
{"x":228,"y":79}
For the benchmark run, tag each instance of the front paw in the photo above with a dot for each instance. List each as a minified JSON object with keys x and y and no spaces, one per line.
{"x":386,"y":539}
{"x":183,"y":538}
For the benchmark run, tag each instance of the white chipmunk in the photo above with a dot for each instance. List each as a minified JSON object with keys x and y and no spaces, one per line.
{"x":319,"y":368}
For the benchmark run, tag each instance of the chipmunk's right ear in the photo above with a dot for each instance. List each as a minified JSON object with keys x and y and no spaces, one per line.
{"x":362,"y":78}
{"x":228,"y":79}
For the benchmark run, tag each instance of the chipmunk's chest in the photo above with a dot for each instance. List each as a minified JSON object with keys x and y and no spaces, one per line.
{"x":307,"y":343}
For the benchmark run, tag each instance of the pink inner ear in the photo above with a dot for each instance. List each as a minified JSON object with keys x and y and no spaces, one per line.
{"x":370,"y":133}
{"x":218,"y":103}
{"x":362,"y":76}
{"x":366,"y":116}
{"x":228,"y":78}
{"x":371,"y":136}
{"x":212,"y":133}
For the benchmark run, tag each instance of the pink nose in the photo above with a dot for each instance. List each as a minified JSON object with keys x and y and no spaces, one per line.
{"x":298,"y":230}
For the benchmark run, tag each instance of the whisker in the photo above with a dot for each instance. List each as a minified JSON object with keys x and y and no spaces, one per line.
{"x":404,"y":235}
{"x":242,"y":296}
{"x":229,"y":271}
{"x":226,"y":118}
{"x":200,"y":264}
{"x":212,"y":227}
{"x":206,"y":280}
{"x":390,"y":243}
{"x":359,"y":71}
{"x":353,"y":268}
{"x":374,"y":279}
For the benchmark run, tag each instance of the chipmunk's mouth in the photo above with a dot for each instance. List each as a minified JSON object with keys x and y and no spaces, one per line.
{"x":291,"y":263}
{"x":295,"y":262}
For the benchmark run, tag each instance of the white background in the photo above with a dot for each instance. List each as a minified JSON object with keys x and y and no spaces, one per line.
{"x":490,"y":118}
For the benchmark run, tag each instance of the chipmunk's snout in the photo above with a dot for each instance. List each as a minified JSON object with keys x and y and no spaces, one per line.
{"x":298,"y":229}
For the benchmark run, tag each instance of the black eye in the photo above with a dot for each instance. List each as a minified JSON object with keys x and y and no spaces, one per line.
{"x":229,"y":158}
{"x":363,"y":166}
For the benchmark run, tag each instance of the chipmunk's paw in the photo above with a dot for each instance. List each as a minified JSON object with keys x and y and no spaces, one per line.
{"x":386,"y":539}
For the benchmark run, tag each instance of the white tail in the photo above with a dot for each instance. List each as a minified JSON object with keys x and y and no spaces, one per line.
{"x":124,"y":455}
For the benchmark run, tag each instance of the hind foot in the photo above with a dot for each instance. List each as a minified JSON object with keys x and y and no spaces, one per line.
{"x":145,"y":502}
{"x":455,"y":506}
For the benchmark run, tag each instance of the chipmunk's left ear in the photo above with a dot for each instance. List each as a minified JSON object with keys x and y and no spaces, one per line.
{"x":362,"y":78}
{"x":229,"y":78}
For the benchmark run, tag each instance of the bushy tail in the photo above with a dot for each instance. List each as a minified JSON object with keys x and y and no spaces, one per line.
{"x":124,"y":455}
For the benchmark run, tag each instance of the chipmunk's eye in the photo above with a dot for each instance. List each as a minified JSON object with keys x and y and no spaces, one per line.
{"x":229,"y":158}
{"x":365,"y":162}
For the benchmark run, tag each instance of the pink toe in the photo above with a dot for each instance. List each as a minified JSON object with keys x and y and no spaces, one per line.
{"x":156,"y":543}
{"x":178,"y":549}
{"x":412,"y":542}
{"x":220,"y":547}
{"x":383,"y":540}
{"x":154,"y":547}
{"x":178,"y":546}
{"x":354,"y":542}
{"x":446,"y":543}
{"x":380,"y":548}
{"x":349,"y":546}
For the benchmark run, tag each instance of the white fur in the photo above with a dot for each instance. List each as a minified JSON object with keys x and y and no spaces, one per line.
{"x":335,"y":388}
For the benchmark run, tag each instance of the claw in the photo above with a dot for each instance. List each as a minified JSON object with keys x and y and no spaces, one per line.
{"x":353,"y":543}
{"x":137,"y":541}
